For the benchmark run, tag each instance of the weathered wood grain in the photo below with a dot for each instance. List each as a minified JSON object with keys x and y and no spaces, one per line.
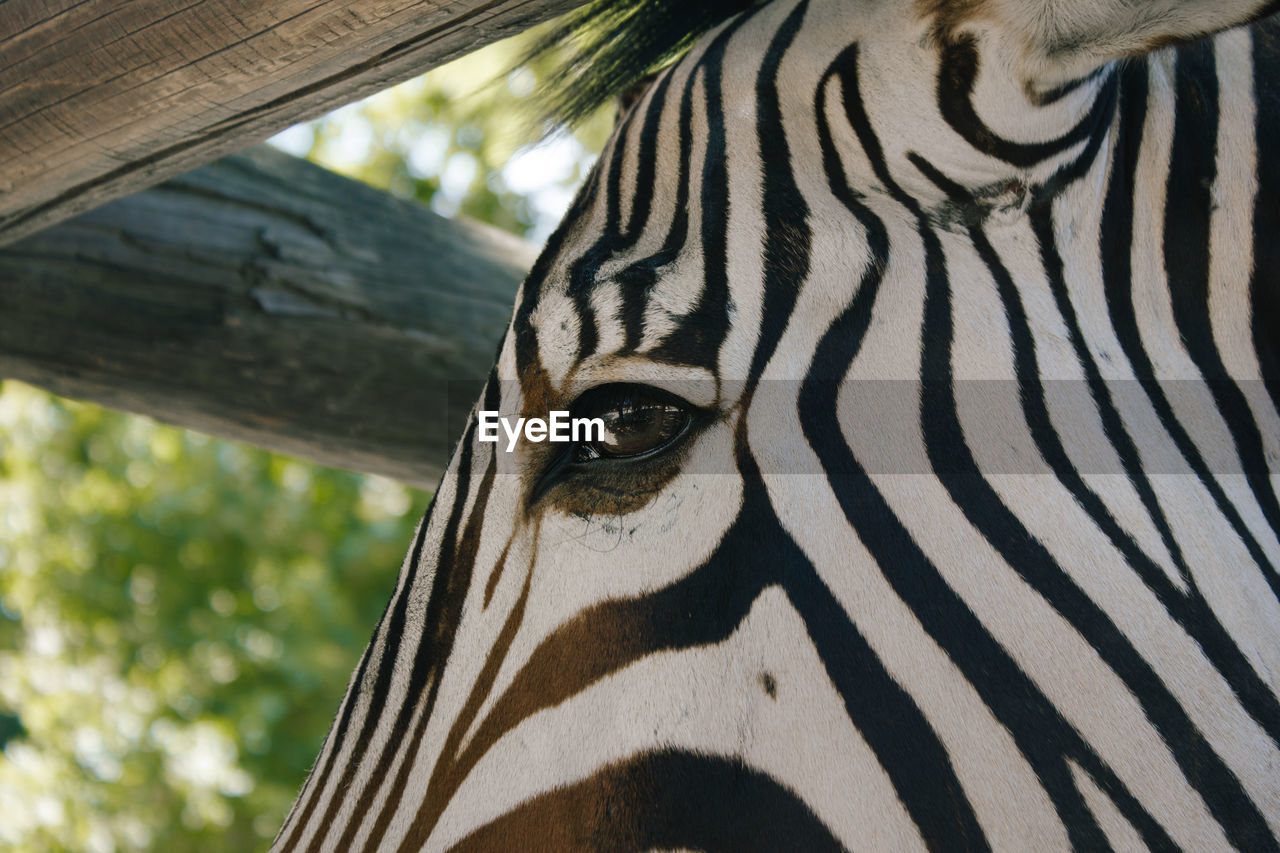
{"x":268,"y":300}
{"x":100,"y":98}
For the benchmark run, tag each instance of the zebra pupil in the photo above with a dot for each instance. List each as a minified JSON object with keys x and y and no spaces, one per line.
{"x":637,"y":421}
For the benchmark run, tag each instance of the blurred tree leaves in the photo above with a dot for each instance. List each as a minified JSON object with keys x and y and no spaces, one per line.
{"x":463,"y":139}
{"x":179,"y":615}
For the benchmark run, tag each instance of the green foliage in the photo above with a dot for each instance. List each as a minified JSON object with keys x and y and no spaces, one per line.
{"x":465,"y":138}
{"x":178,"y":620}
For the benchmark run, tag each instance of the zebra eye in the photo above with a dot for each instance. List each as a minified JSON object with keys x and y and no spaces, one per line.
{"x":638,"y":420}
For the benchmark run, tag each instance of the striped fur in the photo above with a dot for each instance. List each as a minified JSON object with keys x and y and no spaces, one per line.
{"x":974,"y":540}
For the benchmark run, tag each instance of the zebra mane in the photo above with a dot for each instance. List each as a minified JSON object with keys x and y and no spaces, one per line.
{"x":613,"y":44}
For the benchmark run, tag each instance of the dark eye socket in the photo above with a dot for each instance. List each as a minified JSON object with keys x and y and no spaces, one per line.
{"x":638,"y":420}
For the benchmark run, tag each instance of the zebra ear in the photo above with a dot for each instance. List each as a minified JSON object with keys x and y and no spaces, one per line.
{"x":1068,"y":37}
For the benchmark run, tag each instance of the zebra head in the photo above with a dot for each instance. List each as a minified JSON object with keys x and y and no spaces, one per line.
{"x":896,"y":534}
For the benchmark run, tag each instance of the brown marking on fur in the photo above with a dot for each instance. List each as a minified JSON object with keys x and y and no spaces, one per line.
{"x":537,"y":398}
{"x":451,"y":769}
{"x":599,"y":813}
{"x":537,"y":395}
{"x":456,"y":568}
{"x":662,"y":799}
{"x":633,"y":94}
{"x":1264,"y":10}
{"x":949,"y":16}
{"x":495,"y":575}
{"x":614,"y":632}
{"x":469,"y":542}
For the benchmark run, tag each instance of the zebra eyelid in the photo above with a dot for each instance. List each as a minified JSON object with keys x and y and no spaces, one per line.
{"x":697,"y":386}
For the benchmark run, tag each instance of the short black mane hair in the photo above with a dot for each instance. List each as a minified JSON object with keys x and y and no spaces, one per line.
{"x":613,"y":44}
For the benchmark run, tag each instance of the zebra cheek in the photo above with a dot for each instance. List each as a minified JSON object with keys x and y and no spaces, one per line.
{"x":618,"y":489}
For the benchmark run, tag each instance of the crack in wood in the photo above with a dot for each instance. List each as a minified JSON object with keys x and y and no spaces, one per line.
{"x":154,"y":152}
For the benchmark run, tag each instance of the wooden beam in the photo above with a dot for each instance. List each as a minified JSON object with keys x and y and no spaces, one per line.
{"x":265,"y":299}
{"x":101,"y":98}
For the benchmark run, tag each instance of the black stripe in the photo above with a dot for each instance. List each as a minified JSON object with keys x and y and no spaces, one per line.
{"x":1043,"y":736}
{"x":1057,"y":93}
{"x":432,"y":650}
{"x":1105,"y":107}
{"x":697,"y":336}
{"x":787,"y":235}
{"x":944,"y":441}
{"x":1189,"y":205}
{"x":526,"y":335}
{"x":646,"y":158}
{"x":884,"y":713}
{"x":1190,"y":610}
{"x":1264,"y":291}
{"x":584,"y":272}
{"x":450,"y":769}
{"x":1117,"y":277}
{"x":636,"y":282}
{"x":663,"y":800}
{"x":957,"y":76}
{"x":1133,"y":78}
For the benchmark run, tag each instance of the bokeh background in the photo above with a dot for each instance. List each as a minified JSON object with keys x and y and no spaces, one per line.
{"x":179,"y":615}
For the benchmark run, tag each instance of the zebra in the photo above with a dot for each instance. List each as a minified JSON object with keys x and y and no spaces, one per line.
{"x":936,"y":505}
